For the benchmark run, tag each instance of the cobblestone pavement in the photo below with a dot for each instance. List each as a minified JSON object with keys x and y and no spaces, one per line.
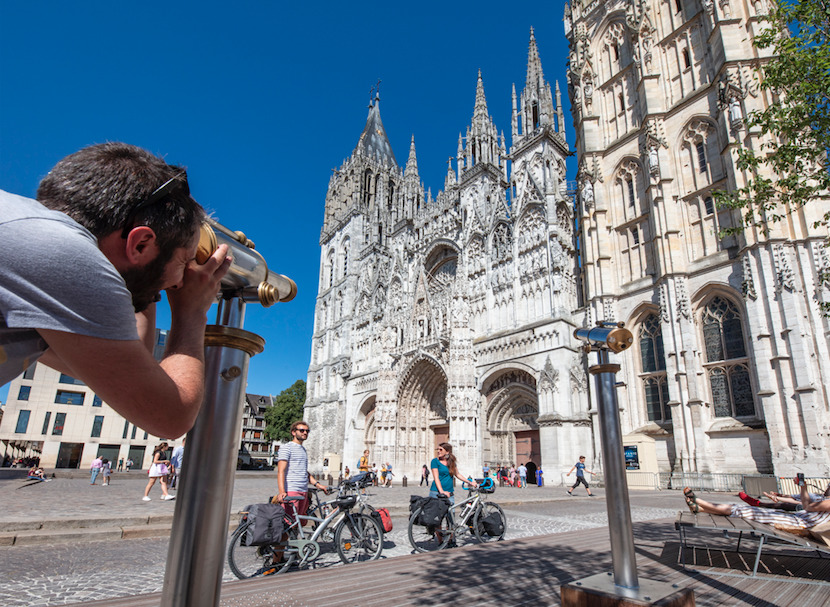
{"x":84,"y":571}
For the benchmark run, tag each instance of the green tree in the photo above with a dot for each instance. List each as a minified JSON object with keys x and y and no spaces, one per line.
{"x":790,"y":168}
{"x":288,"y":408}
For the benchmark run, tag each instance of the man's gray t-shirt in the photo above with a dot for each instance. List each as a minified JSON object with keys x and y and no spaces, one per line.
{"x":53,"y":276}
{"x":296,"y":477}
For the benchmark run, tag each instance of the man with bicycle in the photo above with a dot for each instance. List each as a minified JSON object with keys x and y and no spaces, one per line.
{"x":293,"y":477}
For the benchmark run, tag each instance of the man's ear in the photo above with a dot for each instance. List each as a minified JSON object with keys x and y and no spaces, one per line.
{"x":141,"y":247}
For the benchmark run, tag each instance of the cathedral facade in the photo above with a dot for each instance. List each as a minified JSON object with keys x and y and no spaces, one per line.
{"x":450,"y":318}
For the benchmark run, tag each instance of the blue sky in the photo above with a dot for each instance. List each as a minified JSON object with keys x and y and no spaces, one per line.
{"x":260,"y":101}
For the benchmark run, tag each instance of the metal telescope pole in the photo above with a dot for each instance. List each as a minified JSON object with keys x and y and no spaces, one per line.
{"x":627,"y":589}
{"x":193,"y":577}
{"x":616,"y":494}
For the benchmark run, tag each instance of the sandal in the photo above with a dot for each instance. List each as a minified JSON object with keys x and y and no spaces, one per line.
{"x":691,"y":500}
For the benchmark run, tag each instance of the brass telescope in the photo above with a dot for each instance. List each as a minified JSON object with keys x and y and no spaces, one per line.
{"x":611,"y":335}
{"x":248,"y":277}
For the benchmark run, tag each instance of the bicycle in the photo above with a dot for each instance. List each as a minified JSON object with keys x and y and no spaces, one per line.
{"x":471,"y":517}
{"x":357,"y":536}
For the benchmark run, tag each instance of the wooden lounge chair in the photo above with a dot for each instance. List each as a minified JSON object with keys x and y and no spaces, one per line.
{"x":728,"y":526}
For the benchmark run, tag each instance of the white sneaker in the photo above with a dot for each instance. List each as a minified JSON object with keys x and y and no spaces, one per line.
{"x":168,"y":497}
{"x":146,"y":498}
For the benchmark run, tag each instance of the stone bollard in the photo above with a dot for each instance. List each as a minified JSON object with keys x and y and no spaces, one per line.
{"x":403,"y":482}
{"x":331,"y":480}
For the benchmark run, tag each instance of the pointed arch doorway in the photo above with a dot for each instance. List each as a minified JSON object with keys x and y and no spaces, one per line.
{"x":512,"y":414}
{"x":421,"y":416}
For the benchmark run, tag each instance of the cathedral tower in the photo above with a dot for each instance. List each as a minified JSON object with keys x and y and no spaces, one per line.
{"x":730,"y":368}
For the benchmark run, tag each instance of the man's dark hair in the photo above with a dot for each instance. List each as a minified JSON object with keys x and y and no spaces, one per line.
{"x":100,"y":186}
{"x":299,"y":422}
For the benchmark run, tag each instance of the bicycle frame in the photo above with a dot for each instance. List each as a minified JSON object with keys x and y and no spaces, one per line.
{"x":468,"y":508}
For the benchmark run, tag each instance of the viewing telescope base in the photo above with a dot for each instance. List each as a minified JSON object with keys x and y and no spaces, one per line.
{"x":600,"y":591}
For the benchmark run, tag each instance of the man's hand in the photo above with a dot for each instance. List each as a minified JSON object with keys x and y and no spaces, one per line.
{"x":200,"y":285}
{"x":281,"y":498}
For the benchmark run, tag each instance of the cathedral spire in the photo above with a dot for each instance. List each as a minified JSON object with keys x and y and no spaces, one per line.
{"x":536,"y":109}
{"x":480,"y":110}
{"x":411,"y":162}
{"x":535,"y":78}
{"x":373,"y":141}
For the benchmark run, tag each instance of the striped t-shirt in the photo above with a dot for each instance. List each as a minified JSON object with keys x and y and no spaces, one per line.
{"x":296,"y":477}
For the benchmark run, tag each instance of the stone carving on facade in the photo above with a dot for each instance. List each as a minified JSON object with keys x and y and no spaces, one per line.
{"x":664,"y":302}
{"x":344,"y":368}
{"x":608,"y":309}
{"x":549,"y":378}
{"x":579,"y":380}
{"x":684,"y":306}
{"x":502,"y":242}
{"x":748,"y":282}
{"x":783,"y":271}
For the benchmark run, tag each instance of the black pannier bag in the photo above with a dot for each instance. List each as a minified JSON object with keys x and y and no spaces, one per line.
{"x":265,"y":524}
{"x":415,"y":502}
{"x":492,"y":524}
{"x":433,"y":510}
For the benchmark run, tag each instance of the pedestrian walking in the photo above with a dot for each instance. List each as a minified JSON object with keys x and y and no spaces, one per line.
{"x":121,"y":464}
{"x":106,"y":470}
{"x":129,"y":463}
{"x":375,"y":475}
{"x":158,"y":472}
{"x":580,"y":476}
{"x":389,"y":474}
{"x":522,"y":471}
{"x":539,"y":480}
{"x":485,"y":470}
{"x":176,"y":462}
{"x":95,"y":469}
{"x":424,"y":476}
{"x":383,"y":475}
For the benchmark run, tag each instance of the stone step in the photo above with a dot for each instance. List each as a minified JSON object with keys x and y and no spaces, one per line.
{"x":64,"y":535}
{"x":57,"y":536}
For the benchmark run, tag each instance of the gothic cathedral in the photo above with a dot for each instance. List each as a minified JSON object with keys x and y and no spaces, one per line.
{"x":451,"y":318}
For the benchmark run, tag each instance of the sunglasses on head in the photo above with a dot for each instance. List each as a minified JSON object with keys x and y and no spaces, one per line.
{"x":172,"y":185}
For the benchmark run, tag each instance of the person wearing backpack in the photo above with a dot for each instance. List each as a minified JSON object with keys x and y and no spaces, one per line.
{"x":363,"y":464}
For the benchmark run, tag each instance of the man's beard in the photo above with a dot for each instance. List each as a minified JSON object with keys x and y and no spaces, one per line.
{"x":145,"y":283}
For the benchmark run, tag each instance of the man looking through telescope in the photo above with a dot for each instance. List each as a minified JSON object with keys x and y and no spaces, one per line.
{"x":81,"y":270}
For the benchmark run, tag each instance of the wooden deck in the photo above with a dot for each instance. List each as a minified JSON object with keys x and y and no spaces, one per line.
{"x":529,"y":571}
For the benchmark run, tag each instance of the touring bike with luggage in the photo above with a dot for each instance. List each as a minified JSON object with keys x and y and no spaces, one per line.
{"x":354,"y":525}
{"x":434,"y":524}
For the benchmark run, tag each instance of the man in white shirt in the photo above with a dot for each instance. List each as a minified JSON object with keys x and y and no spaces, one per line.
{"x":293,"y":477}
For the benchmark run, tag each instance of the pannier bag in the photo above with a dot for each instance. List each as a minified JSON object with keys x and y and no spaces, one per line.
{"x":433,"y":511}
{"x":383,"y":518}
{"x":493,"y":525}
{"x":265,"y":524}
{"x":415,"y":502}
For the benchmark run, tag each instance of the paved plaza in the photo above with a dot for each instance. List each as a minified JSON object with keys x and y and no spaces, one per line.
{"x":67,"y":561}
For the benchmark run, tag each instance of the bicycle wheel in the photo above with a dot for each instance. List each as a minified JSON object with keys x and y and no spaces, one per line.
{"x":427,"y":539}
{"x":487,"y":530}
{"x":358,"y":538}
{"x":248,"y":561}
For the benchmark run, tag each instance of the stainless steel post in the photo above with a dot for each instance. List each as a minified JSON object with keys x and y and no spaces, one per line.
{"x":623,"y":555}
{"x":195,"y":558}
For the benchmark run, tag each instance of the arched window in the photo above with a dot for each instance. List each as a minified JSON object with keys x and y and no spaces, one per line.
{"x":726,"y":361}
{"x":653,"y":376}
